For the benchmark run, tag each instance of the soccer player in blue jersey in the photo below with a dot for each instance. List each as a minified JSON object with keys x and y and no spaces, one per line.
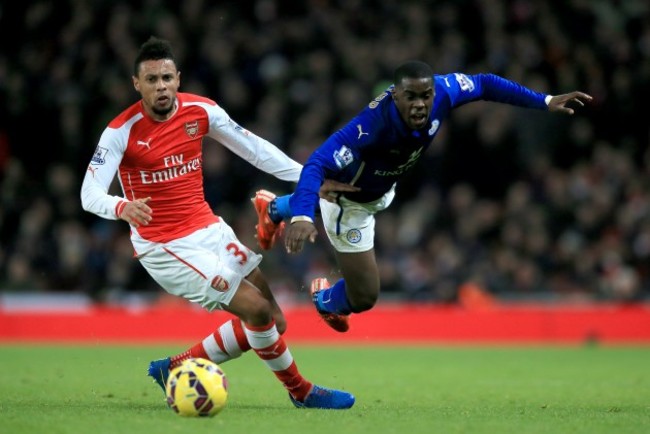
{"x":373,"y":152}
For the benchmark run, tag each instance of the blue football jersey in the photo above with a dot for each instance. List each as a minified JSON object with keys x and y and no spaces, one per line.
{"x":376,"y":148}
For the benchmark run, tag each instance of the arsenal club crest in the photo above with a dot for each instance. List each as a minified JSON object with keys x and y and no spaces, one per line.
{"x":192,"y":129}
{"x":220,"y":284}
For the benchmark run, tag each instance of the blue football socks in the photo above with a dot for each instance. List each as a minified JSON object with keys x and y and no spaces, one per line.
{"x":279,"y":208}
{"x":333,"y":300}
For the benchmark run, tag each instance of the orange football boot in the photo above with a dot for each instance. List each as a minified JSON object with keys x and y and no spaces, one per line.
{"x":267,"y":231}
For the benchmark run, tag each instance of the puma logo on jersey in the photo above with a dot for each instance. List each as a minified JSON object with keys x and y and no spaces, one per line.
{"x":361,"y":133}
{"x":146,"y":144}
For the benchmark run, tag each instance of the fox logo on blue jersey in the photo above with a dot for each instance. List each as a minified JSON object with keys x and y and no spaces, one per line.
{"x":435,"y":124}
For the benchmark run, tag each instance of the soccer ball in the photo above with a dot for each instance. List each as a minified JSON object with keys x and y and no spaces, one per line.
{"x":197,"y":387}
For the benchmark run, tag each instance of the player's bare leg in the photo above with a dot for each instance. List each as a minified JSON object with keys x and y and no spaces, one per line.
{"x":256,"y":314}
{"x":227,"y":342}
{"x":361,"y":276}
{"x":255,"y":328}
{"x":259,"y":281}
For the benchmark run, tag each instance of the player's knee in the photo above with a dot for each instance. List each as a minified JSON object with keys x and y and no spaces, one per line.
{"x":258,"y":313}
{"x":280,"y":323}
{"x":363,"y":302}
{"x":362,"y":292}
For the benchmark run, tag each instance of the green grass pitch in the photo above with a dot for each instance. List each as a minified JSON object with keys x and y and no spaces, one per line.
{"x":104,"y":389}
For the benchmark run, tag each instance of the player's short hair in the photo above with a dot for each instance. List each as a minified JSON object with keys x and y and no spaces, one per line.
{"x":153,"y":49}
{"x":412,"y":69}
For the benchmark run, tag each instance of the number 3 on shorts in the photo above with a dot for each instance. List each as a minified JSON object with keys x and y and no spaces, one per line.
{"x":236,"y":251}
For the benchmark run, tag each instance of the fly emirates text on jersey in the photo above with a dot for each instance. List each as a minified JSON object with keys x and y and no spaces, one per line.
{"x":174,"y":167}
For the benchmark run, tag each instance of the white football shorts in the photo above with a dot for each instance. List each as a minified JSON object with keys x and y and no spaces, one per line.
{"x":205,"y":267}
{"x":350,"y":226}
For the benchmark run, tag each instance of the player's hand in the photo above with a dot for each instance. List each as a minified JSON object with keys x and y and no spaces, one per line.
{"x":137,"y":213}
{"x":330,"y":188}
{"x":558,"y":102}
{"x":296,"y":233}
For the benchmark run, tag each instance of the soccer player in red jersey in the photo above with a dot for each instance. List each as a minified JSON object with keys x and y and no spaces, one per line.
{"x":154,"y":147}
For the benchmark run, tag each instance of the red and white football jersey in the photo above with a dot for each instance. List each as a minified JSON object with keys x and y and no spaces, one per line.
{"x":163,"y":160}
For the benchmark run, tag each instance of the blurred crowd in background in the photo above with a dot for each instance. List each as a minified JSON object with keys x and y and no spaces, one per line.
{"x":521,"y":204}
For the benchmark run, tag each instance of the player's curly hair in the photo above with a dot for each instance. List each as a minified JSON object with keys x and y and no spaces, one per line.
{"x":153,"y":49}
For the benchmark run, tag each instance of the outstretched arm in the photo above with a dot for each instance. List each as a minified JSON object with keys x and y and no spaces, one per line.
{"x":558,"y":103}
{"x":330,"y":188}
{"x":303,"y":203}
{"x":491,"y":87}
{"x":302,"y":228}
{"x":257,"y":151}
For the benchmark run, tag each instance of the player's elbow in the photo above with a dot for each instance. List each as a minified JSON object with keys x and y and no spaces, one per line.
{"x":88,"y":199}
{"x":85,"y":201}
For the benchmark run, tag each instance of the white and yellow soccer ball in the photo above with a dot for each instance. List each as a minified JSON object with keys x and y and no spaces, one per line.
{"x":197,"y":387}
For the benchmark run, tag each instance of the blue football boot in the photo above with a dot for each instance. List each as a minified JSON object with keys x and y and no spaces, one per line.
{"x":322,"y":397}
{"x":159,"y":370}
